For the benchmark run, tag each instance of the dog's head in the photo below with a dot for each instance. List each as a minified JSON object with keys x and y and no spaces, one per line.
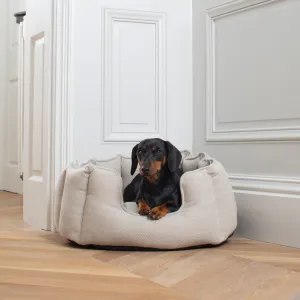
{"x":152,"y":155}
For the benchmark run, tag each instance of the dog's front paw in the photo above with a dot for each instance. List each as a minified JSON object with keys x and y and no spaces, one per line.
{"x":158,"y":212}
{"x":143,"y":208}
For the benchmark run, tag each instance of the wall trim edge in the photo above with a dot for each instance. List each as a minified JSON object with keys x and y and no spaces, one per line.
{"x":265,"y":184}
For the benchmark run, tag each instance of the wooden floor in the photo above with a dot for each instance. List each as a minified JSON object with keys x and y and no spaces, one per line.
{"x":41,"y":265}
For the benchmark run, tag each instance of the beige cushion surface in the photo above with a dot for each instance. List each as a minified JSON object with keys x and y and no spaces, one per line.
{"x":89,"y":207}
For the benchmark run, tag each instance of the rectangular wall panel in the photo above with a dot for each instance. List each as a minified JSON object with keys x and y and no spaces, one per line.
{"x":126,"y":75}
{"x":134,"y":75}
{"x":253,"y":71}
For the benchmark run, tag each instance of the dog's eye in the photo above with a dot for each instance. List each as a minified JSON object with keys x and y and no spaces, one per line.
{"x":158,"y":150}
{"x":139,"y":151}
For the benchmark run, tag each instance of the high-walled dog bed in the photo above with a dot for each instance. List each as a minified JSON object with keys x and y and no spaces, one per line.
{"x":89,"y":207}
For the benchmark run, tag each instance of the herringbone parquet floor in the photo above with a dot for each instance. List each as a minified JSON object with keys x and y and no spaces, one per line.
{"x":41,"y":265}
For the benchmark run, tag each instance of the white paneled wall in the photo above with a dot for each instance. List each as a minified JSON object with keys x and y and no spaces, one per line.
{"x":246,"y":76}
{"x":123,"y":71}
{"x":130,"y":73}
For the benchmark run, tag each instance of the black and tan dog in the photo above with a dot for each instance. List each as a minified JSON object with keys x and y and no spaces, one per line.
{"x":156,"y":188}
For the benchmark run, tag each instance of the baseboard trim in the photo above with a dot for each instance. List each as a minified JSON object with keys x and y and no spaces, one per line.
{"x":268,"y":208}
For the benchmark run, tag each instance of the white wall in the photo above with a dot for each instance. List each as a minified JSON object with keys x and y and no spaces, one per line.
{"x":3,"y":77}
{"x":129,"y":80}
{"x":247,"y":108}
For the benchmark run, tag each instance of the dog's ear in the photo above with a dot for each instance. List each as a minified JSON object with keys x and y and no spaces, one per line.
{"x":173,"y":157}
{"x":134,"y":160}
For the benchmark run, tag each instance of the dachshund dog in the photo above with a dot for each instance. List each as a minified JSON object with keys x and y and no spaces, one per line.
{"x":156,"y":188}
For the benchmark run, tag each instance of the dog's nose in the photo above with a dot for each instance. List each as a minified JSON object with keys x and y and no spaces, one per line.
{"x":145,"y":169}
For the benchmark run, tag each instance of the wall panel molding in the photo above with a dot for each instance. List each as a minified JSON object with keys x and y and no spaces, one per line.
{"x":118,"y":124}
{"x":288,"y":186}
{"x":285,"y":129}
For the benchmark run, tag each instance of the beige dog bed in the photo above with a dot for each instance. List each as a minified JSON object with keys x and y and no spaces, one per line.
{"x":89,"y":207}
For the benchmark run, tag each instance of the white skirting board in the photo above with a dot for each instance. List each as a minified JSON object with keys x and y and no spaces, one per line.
{"x":268,"y":209}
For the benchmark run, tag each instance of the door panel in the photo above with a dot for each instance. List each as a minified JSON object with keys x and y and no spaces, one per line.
{"x":247,"y":113}
{"x":37,"y":113}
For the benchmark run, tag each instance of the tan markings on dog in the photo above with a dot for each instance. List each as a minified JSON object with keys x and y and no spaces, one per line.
{"x":155,"y":166}
{"x":160,"y":211}
{"x":143,"y":208}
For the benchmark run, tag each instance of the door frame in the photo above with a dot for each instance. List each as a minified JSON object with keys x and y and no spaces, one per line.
{"x":61,"y":125}
{"x":3,"y":88}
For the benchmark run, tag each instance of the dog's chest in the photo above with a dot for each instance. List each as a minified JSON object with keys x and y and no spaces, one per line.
{"x":156,"y":196}
{"x":154,"y":201}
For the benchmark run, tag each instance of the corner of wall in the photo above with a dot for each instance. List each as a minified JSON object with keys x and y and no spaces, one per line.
{"x":3,"y":68}
{"x":198,"y":21}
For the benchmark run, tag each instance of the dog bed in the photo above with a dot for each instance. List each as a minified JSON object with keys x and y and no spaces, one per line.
{"x":89,"y":207}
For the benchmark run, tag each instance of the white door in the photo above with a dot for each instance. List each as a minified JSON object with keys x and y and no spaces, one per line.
{"x":11,"y":175}
{"x":247,"y":108}
{"x":130,"y":75}
{"x":37,"y":112}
